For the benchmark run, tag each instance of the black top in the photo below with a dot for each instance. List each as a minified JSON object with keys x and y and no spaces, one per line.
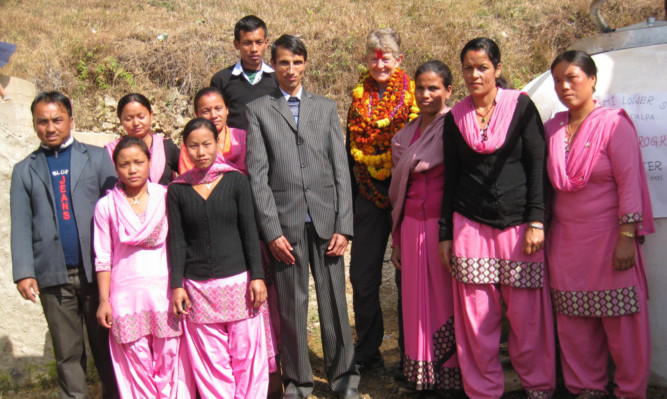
{"x":213,"y":238}
{"x":171,"y":154}
{"x":238,"y":92}
{"x":502,"y":189}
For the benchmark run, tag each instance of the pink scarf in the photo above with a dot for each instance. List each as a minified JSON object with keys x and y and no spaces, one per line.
{"x":572,"y":174}
{"x":464,"y":116}
{"x":158,"y":157}
{"x":202,"y":176}
{"x":131,"y":230}
{"x":424,"y":154}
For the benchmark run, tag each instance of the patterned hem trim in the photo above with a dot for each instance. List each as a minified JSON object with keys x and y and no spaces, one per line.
{"x":220,"y":304}
{"x":102,"y":266}
{"x":609,"y":303}
{"x":427,"y":375}
{"x":433,"y":374}
{"x":630,"y":218}
{"x":539,"y":394}
{"x":503,"y":271}
{"x":131,"y":327}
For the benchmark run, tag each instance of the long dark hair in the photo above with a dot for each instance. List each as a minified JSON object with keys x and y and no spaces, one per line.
{"x":130,"y":141}
{"x":492,"y":51}
{"x":207,"y":90}
{"x":133,"y":98}
{"x":579,"y":58}
{"x":197,"y":123}
{"x":439,"y":68}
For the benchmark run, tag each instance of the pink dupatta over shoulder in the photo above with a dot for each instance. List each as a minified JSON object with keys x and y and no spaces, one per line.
{"x":158,"y":157}
{"x":465,"y":119}
{"x":424,"y":154}
{"x":572,"y":173}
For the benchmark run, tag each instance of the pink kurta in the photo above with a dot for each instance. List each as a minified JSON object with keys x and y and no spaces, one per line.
{"x":428,"y":310}
{"x":600,"y":310}
{"x":145,"y":335}
{"x":586,"y":222}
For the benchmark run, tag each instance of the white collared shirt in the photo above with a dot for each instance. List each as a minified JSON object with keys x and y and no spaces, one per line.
{"x":238,"y":70}
{"x":287,"y":96}
{"x":64,"y":145}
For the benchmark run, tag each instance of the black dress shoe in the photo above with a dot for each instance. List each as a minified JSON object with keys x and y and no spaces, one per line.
{"x":349,"y":393}
{"x":369,"y":366}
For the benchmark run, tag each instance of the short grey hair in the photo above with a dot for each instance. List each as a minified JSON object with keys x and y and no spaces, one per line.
{"x":385,"y":39}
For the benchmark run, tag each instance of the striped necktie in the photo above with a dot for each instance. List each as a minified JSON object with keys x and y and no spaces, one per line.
{"x":293,"y":103}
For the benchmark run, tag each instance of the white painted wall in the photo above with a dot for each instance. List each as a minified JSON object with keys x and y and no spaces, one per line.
{"x":629,"y":71}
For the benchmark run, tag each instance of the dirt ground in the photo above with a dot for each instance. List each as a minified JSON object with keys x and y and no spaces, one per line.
{"x":375,"y":385}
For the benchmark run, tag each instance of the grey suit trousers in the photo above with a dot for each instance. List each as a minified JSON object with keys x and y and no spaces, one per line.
{"x":292,"y":286}
{"x":66,"y":308}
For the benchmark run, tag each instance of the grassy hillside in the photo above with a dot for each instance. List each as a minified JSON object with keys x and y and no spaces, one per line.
{"x":96,"y":51}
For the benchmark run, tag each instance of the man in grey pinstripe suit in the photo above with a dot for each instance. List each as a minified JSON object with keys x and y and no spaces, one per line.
{"x":301,"y":188}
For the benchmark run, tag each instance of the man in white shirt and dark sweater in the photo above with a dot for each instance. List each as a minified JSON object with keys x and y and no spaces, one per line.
{"x":250,"y":78}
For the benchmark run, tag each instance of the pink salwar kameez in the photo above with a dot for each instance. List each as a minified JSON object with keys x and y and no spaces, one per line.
{"x":428,"y":313}
{"x":226,"y":339}
{"x":598,"y":185}
{"x":145,"y":340}
{"x":490,"y":269}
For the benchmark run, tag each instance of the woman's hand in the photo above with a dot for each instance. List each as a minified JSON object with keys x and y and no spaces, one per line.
{"x":396,"y":257}
{"x":445,"y":251}
{"x":533,"y":240}
{"x":179,"y":298}
{"x":624,"y":253}
{"x":257,"y":291}
{"x":104,"y":317}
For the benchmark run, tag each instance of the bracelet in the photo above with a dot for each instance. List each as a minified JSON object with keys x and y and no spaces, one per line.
{"x":535,"y":225}
{"x":627,"y":234}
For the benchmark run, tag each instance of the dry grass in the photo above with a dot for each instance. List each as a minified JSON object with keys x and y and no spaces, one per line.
{"x":92,"y":49}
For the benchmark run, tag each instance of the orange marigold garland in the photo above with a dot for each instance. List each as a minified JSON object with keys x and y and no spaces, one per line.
{"x":372,"y":123}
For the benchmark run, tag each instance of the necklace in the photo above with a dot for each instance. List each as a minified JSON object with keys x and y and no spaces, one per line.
{"x":135,"y":200}
{"x":493,"y":105}
{"x":208,"y":186}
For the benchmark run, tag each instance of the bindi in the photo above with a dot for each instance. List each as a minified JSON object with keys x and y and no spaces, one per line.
{"x":379,"y":54}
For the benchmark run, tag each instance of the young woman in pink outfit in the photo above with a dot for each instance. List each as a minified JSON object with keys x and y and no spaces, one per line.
{"x":601,"y":208}
{"x":416,"y":197}
{"x":132,"y":272}
{"x":136,"y":115}
{"x":216,"y":272}
{"x":492,"y":231}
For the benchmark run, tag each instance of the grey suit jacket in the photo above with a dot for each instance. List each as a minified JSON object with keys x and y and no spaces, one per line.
{"x":36,"y":248}
{"x":294,"y":170}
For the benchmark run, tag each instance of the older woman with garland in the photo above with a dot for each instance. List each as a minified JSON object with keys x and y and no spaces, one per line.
{"x":492,"y":231}
{"x":383,"y":102}
{"x":416,"y":196}
{"x":136,"y":115}
{"x":601,"y":208}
